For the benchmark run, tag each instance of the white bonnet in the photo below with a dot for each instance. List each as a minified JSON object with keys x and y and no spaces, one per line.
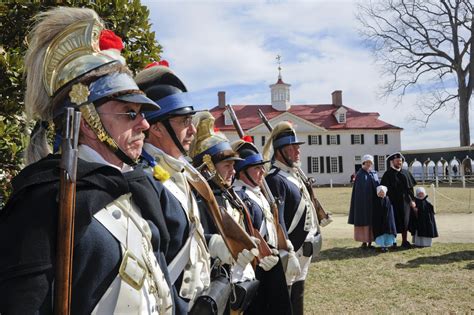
{"x":420,"y":189}
{"x":381,"y":188}
{"x":367,"y":157}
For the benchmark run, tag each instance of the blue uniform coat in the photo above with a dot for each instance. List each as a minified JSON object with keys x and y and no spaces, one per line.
{"x":28,"y":235}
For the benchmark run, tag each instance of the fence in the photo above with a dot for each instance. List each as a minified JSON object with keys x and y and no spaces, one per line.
{"x":463,"y":201}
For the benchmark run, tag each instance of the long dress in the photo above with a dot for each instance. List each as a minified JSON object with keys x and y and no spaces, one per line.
{"x":423,"y":225}
{"x":362,"y":205}
{"x":383,"y":223}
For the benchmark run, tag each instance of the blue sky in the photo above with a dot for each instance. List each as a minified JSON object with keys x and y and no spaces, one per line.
{"x":231,"y":46}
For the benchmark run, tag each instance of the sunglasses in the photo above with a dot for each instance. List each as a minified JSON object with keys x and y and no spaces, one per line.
{"x":132,"y":115}
{"x":186,"y":121}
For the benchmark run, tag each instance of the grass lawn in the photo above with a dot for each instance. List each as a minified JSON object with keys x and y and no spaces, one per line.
{"x":348,"y":279}
{"x":448,"y":200}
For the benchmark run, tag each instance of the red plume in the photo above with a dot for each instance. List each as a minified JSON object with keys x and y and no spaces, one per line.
{"x":163,"y":63}
{"x":108,"y":40}
{"x":247,"y":138}
{"x":216,"y":129}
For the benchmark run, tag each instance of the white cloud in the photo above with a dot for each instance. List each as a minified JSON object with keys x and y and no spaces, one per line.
{"x":231,"y":45}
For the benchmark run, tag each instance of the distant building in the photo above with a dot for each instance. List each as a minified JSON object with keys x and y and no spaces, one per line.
{"x":336,"y":136}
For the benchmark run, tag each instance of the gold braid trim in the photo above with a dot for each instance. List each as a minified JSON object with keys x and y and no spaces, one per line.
{"x":92,"y":118}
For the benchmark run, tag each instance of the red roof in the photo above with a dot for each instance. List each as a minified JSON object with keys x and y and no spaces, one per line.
{"x":320,"y":115}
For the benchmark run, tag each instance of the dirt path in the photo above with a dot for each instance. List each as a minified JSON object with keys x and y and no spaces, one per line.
{"x":452,"y":228}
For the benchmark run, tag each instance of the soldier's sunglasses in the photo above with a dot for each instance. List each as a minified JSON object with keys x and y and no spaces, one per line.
{"x":132,"y":115}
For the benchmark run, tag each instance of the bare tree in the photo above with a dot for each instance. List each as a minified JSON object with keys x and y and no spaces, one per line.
{"x":426,"y":45}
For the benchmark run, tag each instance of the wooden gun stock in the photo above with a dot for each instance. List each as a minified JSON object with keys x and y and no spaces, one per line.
{"x":67,"y":204}
{"x":320,"y":212}
{"x":235,"y":237}
{"x":263,"y":248}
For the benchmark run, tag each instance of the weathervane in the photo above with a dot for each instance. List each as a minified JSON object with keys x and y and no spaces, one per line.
{"x":278,"y":57}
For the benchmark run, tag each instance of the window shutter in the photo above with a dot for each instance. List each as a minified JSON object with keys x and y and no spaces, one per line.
{"x":362,"y":139}
{"x":375,"y":139}
{"x":263,"y":141}
{"x":328,"y":139}
{"x":376,"y":163}
{"x":309,"y":165}
{"x":340,"y":164}
{"x":386,"y":138}
{"x":320,"y":138}
{"x":309,"y":140}
{"x":352,"y":139}
{"x":338,"y":139}
{"x":321,"y":164}
{"x":253,"y":139}
{"x":328,"y":164}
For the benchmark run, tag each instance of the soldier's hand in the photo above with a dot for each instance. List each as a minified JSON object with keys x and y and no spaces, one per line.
{"x":268,"y":262}
{"x":217,"y":248}
{"x":246,"y":256}
{"x":293,"y":268}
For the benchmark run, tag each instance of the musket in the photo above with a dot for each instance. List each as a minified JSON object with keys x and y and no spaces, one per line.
{"x":281,"y":237}
{"x":234,"y":236}
{"x":263,"y":246}
{"x":323,"y":217}
{"x":67,"y":204}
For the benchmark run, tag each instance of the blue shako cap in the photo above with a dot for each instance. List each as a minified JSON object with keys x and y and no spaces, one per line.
{"x":250,"y":157}
{"x":222,"y":151}
{"x":172,"y":105}
{"x":116,"y":86}
{"x":164,"y":87}
{"x":285,"y":138}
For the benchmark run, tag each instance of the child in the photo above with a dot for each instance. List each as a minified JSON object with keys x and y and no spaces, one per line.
{"x":383,"y":220}
{"x":422,"y":223}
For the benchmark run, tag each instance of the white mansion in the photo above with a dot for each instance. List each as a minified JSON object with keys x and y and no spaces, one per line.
{"x":336,"y":136}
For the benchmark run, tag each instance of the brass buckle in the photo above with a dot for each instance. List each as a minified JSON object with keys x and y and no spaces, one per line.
{"x":129,"y":260}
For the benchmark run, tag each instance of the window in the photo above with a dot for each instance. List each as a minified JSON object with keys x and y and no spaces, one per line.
{"x":315,"y":164}
{"x":263,"y":141}
{"x":356,"y":139}
{"x":342,"y":118}
{"x":381,"y":139}
{"x":358,"y":159}
{"x":381,"y":163}
{"x":333,"y":139}
{"x":314,"y":139}
{"x":334,"y":165}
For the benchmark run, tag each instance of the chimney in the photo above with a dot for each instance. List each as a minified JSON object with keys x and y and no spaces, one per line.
{"x":337,"y":98}
{"x":221,"y":99}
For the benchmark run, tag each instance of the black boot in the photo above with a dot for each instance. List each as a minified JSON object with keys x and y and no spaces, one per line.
{"x":297,"y":298}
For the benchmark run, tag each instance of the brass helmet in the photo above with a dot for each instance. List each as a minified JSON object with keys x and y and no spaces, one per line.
{"x":283,"y":134}
{"x":66,"y":68}
{"x":210,"y":142}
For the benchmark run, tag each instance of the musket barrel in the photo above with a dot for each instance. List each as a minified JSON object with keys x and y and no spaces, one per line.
{"x":67,"y":203}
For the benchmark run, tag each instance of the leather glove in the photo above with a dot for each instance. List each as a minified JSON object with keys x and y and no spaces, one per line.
{"x":293,"y":268}
{"x":268,"y":262}
{"x":217,"y":248}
